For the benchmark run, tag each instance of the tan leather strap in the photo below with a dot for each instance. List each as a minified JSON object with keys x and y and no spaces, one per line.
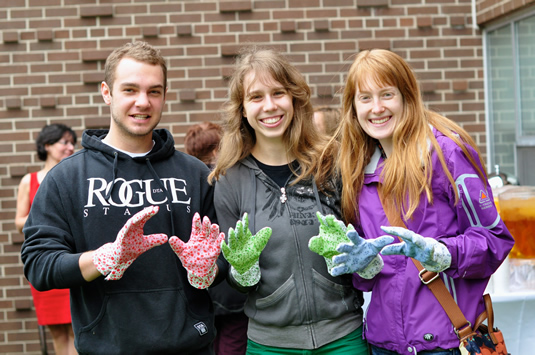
{"x":462,"y":327}
{"x":490,"y":320}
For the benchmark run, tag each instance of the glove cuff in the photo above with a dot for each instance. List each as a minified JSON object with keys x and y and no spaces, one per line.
{"x":249,"y":278}
{"x":202,"y":282}
{"x":441,"y":259}
{"x":374,"y":267}
{"x":105,"y":260}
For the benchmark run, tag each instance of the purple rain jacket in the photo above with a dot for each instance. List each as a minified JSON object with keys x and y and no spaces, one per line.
{"x":404,"y":315}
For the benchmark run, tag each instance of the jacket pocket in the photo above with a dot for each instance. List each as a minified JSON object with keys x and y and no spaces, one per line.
{"x":281,"y":308}
{"x":136,"y":323}
{"x":331,"y":299}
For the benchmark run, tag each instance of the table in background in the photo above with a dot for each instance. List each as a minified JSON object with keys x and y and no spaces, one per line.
{"x":514,"y":315}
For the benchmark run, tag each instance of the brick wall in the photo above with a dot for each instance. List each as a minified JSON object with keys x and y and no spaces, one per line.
{"x":488,"y":10}
{"x":51,"y":63}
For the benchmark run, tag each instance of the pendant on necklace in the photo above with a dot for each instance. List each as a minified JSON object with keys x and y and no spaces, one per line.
{"x":283,"y":197}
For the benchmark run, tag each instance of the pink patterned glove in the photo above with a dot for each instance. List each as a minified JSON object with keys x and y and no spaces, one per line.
{"x":112,"y":259}
{"x":200,"y":253}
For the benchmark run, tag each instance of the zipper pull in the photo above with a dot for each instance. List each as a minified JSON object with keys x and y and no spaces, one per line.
{"x":283,"y":197}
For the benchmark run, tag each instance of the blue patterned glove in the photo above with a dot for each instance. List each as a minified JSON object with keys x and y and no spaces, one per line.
{"x":332,"y":233}
{"x":433,"y":255}
{"x":360,"y":254}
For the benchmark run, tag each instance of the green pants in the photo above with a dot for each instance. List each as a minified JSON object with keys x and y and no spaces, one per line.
{"x":351,"y":344}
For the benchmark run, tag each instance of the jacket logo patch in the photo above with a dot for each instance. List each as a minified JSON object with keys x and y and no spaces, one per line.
{"x":483,"y":197}
{"x":484,"y":200}
{"x":201,"y":328}
{"x":429,"y":337}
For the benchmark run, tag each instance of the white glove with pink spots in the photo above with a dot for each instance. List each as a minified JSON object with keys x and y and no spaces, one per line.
{"x":200,"y":253}
{"x":112,"y":259}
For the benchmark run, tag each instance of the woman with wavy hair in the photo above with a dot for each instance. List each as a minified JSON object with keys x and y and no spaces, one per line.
{"x":265,"y":187}
{"x":394,"y":154}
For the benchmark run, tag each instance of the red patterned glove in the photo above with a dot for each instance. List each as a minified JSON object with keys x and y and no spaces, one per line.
{"x":199,"y":254}
{"x":112,"y":259}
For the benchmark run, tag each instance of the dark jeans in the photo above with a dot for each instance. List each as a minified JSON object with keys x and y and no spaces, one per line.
{"x":231,"y":336}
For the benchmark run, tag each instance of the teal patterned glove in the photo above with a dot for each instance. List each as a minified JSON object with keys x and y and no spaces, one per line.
{"x":332,"y":233}
{"x":243,"y":251}
{"x":433,"y":255}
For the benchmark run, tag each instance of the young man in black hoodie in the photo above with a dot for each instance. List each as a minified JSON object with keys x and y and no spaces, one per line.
{"x":128,"y":207}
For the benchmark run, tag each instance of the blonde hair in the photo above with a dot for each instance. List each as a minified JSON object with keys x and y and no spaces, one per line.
{"x":407,"y":172}
{"x":300,"y":138}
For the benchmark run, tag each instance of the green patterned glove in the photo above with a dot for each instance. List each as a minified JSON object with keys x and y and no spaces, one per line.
{"x":332,"y":233}
{"x":243,"y":251}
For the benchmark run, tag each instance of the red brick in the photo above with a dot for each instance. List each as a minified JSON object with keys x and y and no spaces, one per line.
{"x":95,"y":55}
{"x":424,"y":21}
{"x":321,"y":25}
{"x":187,"y":96}
{"x":150,"y":31}
{"x":184,"y":30}
{"x":45,"y":35}
{"x":90,"y":78}
{"x":288,"y":26}
{"x":48,"y":102}
{"x":230,"y":50}
{"x":96,"y":11}
{"x":372,"y":3}
{"x":235,"y":6}
{"x":13,"y":103}
{"x":10,"y":36}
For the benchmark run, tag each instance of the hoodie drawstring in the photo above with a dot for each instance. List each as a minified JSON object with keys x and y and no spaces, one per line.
{"x":169,"y":197}
{"x":114,"y":175}
{"x":317,"y":195}
{"x":251,"y":214}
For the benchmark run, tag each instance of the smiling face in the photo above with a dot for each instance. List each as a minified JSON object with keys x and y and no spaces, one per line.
{"x":61,"y":149}
{"x":268,"y":107}
{"x":379,"y":109}
{"x":136,"y":104}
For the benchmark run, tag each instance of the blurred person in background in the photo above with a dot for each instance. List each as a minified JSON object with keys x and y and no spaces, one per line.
{"x":202,"y":141}
{"x":326,"y":119}
{"x":54,"y":143}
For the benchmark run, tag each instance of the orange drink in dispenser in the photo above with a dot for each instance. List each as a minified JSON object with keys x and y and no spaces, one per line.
{"x":517,"y":209}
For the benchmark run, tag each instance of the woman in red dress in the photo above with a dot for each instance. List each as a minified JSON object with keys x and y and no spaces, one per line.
{"x":55,"y":142}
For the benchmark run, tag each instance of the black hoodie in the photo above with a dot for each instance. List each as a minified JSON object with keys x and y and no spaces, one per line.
{"x":82,"y":204}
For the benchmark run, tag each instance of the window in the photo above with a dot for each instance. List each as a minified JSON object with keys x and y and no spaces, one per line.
{"x":510,"y":96}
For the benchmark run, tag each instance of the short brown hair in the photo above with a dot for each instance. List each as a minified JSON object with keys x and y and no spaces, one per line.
{"x":201,"y":141}
{"x":140,"y":51}
{"x":331,"y":118}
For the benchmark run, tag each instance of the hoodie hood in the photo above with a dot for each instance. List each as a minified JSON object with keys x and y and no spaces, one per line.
{"x":163,"y":148}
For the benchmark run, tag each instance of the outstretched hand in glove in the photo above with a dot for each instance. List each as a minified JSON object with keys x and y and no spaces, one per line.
{"x":332,"y":233}
{"x":433,"y":255}
{"x":243,"y":251}
{"x":112,"y":259}
{"x":360,"y":256}
{"x":199,"y":254}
